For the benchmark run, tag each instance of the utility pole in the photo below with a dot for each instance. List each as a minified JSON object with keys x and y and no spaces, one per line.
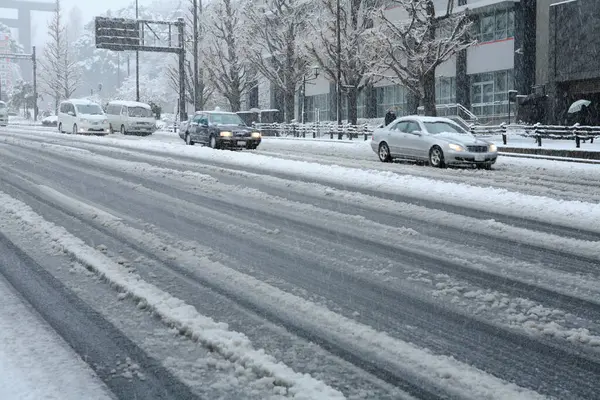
{"x":181,"y":29}
{"x":35,"y":93}
{"x":196,"y":78}
{"x":137,"y":61}
{"x":338,"y":91}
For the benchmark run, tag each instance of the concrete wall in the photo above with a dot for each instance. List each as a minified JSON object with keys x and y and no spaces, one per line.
{"x":488,"y":57}
{"x":575,"y":39}
{"x":573,"y":52}
{"x":542,"y":40}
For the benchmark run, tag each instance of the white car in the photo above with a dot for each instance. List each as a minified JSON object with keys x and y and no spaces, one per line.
{"x":3,"y":114}
{"x":51,"y":120}
{"x":130,"y":117}
{"x":82,"y":116}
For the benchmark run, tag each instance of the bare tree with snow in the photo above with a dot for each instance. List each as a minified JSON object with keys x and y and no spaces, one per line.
{"x":229,"y":73}
{"x":275,"y":45}
{"x":200,"y":95}
{"x":415,"y":46}
{"x":60,"y":75}
{"x":359,"y":52}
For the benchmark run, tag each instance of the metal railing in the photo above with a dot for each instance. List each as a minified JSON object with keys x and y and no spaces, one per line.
{"x":331,"y":130}
{"x":316,"y":130}
{"x":577,"y":132}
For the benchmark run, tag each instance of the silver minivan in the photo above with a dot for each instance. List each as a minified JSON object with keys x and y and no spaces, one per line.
{"x":130,"y":117}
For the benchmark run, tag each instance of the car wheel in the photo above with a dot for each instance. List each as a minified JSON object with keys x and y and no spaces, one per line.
{"x":384,"y":152}
{"x":213,"y":143}
{"x":60,"y":128}
{"x":188,"y":139}
{"x":436,"y":157}
{"x":110,"y":129}
{"x":74,"y":129}
{"x":123,"y":130}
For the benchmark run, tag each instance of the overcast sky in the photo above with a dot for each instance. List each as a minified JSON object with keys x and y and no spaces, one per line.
{"x":89,"y":9}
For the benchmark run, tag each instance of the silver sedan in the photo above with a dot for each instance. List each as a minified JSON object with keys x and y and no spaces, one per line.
{"x":438,"y":141}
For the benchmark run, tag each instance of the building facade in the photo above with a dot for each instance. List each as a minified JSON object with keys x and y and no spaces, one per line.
{"x":573,"y":51}
{"x":478,"y":79}
{"x":541,"y":48}
{"x":8,"y":69}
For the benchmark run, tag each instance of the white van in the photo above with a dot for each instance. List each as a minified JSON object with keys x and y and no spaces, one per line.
{"x":82,"y":116}
{"x":130,"y":117}
{"x":3,"y":114}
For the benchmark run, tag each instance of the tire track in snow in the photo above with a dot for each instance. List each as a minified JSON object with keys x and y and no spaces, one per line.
{"x":563,"y":225}
{"x":526,"y":221}
{"x":469,"y":381}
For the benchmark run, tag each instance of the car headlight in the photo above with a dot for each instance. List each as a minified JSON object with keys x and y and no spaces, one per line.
{"x":493,"y":148}
{"x":256,"y":135}
{"x":456,"y":147}
{"x":225,"y":134}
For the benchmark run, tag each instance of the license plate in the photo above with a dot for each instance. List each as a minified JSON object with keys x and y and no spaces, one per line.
{"x":479,"y":157}
{"x":241,"y":143}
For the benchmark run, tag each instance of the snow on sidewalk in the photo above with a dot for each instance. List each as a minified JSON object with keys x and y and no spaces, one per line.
{"x":35,"y":363}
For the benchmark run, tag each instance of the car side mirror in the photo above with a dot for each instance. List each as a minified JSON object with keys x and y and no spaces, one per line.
{"x":71,"y":113}
{"x":417,"y":133}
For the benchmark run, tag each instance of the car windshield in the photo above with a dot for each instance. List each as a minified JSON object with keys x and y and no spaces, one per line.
{"x":139,"y":112}
{"x":89,"y":109}
{"x":225,"y":119}
{"x":438,"y":127}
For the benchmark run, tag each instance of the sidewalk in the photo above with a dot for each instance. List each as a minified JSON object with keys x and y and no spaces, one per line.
{"x":564,"y":150}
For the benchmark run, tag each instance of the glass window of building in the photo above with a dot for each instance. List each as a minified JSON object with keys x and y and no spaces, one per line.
{"x":496,"y":25}
{"x":391,"y":96}
{"x":489,"y":93}
{"x":361,"y":107}
{"x":317,"y":107}
{"x":445,"y":90}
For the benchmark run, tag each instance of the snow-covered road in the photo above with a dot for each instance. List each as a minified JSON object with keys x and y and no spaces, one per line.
{"x":310,"y":270}
{"x":31,"y":354}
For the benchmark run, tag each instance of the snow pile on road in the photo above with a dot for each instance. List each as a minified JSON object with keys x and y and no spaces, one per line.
{"x":404,"y":358}
{"x":234,"y":346}
{"x":573,"y":214}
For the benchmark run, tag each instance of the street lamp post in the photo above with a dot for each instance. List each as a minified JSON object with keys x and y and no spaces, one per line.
{"x":196,"y":77}
{"x":338,"y":93}
{"x":137,"y":60}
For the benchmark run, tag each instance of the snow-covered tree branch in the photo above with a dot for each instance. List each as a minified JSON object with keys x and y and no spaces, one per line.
{"x":60,"y":75}
{"x":224,"y":55}
{"x":275,"y":45}
{"x":360,"y":52}
{"x":202,"y":94}
{"x":415,"y":46}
